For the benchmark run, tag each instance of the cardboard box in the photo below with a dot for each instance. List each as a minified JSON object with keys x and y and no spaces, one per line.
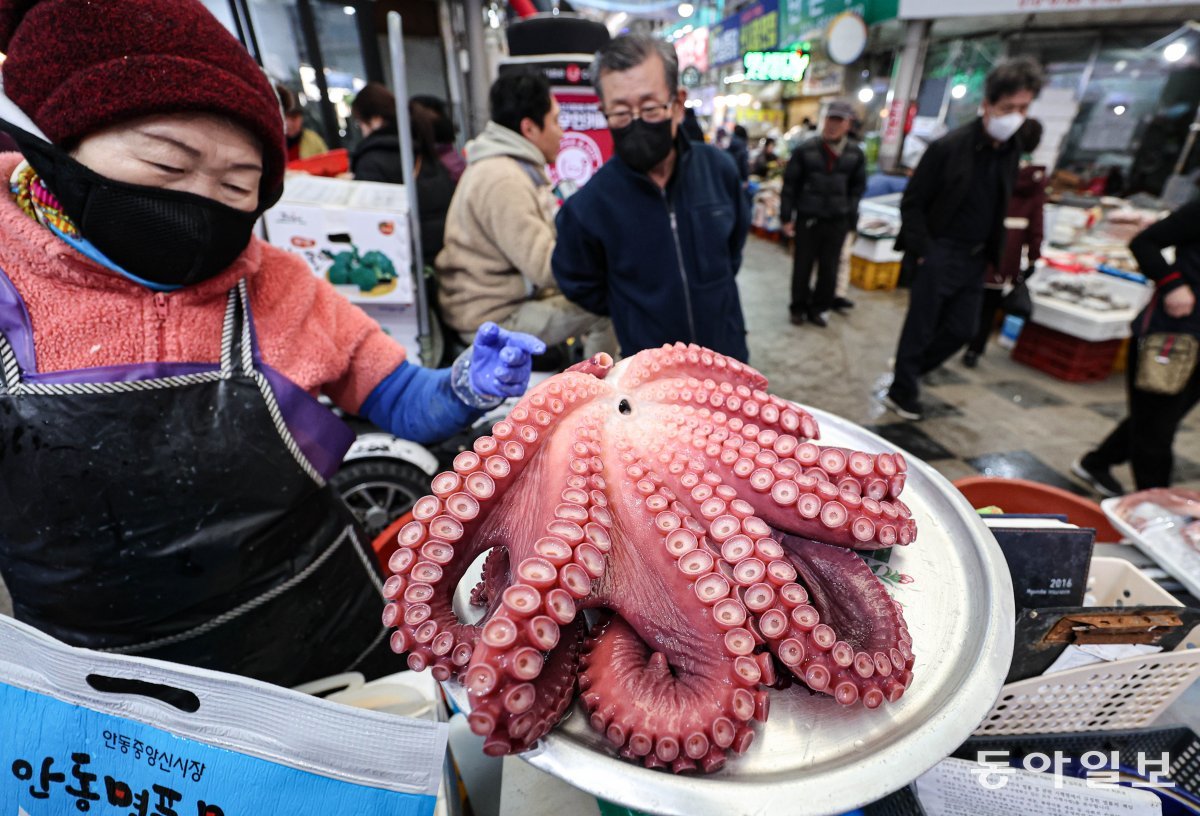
{"x":87,"y":731}
{"x":348,"y":231}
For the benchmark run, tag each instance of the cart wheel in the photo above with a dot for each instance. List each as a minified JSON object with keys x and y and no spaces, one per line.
{"x":379,"y":491}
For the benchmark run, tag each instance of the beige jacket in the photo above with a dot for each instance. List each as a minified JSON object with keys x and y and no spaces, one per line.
{"x":499,"y":232}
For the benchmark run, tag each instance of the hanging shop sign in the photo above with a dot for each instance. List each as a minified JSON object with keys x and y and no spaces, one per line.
{"x":723,"y":47}
{"x":823,"y":78}
{"x":846,"y":38}
{"x":931,"y":9}
{"x":768,"y":66}
{"x":759,"y":26}
{"x":692,"y":50}
{"x":801,"y":20}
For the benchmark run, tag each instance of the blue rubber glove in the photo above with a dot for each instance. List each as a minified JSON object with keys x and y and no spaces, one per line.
{"x":495,"y":367}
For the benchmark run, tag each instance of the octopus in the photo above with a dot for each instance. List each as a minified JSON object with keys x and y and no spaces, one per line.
{"x":666,"y":539}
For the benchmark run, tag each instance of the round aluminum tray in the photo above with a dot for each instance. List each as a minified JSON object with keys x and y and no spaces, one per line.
{"x":814,"y":756}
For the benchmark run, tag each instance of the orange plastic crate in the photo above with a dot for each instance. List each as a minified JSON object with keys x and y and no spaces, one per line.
{"x":874,"y":274}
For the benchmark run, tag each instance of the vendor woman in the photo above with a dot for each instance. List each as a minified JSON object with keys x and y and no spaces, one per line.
{"x":162,"y":453}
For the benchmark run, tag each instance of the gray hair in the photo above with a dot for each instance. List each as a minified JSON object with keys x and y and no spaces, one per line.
{"x":630,"y":51}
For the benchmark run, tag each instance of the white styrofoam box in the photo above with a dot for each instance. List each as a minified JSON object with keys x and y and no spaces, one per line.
{"x":324,"y":215}
{"x":1089,"y":324}
{"x":878,"y":250}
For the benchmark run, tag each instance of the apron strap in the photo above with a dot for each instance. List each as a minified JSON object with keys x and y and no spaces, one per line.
{"x":10,"y":372}
{"x":237,"y":346}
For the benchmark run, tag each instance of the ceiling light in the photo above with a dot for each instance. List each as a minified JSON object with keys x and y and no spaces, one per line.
{"x":958,"y":91}
{"x":866,"y":95}
{"x":686,"y":9}
{"x":1175,"y":51}
{"x":1119,"y":109}
{"x":349,"y":10}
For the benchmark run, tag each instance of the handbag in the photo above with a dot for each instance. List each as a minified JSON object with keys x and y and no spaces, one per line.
{"x":1166,"y":360}
{"x":1017,"y":302}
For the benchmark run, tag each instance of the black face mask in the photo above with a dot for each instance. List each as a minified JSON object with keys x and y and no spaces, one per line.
{"x":162,"y":236}
{"x":642,"y":145}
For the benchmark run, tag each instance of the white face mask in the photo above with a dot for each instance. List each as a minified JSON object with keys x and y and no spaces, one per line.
{"x":1003,"y":128}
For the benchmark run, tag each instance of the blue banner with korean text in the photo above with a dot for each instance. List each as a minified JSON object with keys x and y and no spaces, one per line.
{"x":58,"y":758}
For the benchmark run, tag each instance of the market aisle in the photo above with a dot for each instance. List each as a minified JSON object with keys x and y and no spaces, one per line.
{"x":1000,"y":419}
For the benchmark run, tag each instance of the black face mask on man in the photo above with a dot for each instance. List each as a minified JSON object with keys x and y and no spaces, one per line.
{"x":163,"y":236}
{"x":642,"y":144}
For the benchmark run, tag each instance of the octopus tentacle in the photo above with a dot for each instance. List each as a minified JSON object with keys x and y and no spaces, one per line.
{"x":505,"y":675}
{"x":739,"y":405}
{"x":637,"y":701}
{"x":700,"y":689}
{"x":874,"y":648}
{"x":799,"y":503}
{"x":821,"y":643}
{"x":679,"y":359}
{"x":531,"y":709}
{"x":444,"y":537}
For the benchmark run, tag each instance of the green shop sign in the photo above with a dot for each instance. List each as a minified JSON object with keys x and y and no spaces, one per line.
{"x":801,"y":20}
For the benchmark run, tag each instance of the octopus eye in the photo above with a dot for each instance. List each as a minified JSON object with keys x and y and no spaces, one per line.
{"x":624,"y":407}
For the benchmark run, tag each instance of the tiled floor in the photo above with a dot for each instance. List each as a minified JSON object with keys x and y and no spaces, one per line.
{"x":1001,"y":418}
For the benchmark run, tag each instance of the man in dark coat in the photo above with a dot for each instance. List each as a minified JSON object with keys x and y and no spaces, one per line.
{"x":953,"y":224}
{"x":655,"y":238}
{"x":822,"y":185}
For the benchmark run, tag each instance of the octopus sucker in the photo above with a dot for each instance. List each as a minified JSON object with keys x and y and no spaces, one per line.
{"x":665,"y":539}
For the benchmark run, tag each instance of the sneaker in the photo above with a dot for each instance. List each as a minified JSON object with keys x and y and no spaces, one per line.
{"x":910,"y":410}
{"x":797,"y":319}
{"x":820,"y":319}
{"x":971,"y":359}
{"x":1098,"y":478}
{"x":842,"y":305}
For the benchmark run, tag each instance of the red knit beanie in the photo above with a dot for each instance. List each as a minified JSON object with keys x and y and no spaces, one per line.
{"x":77,"y":66}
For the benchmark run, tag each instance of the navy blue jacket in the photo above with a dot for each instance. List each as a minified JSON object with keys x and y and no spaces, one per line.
{"x":660,"y":262}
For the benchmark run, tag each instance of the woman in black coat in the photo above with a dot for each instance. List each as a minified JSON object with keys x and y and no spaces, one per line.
{"x":1145,"y":437}
{"x":377,"y":158}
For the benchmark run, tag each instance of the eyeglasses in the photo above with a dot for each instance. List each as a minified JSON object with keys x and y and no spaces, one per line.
{"x":650,"y":114}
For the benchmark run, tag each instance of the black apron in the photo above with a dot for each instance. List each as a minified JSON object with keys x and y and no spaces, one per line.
{"x":168,"y":511}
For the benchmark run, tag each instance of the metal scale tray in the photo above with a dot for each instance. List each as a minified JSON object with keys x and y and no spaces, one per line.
{"x":814,"y":756}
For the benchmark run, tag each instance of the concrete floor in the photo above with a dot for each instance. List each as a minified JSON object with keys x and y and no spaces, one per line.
{"x":1001,"y":418}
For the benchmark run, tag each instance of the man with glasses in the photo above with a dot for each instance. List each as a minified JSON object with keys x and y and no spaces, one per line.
{"x":655,"y":238}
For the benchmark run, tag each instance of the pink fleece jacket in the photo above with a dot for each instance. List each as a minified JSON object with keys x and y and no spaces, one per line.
{"x":85,"y":316}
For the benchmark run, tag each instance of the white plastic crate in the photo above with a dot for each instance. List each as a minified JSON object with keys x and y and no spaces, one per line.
{"x":876,"y":250}
{"x":1121,"y":694}
{"x":1088,"y":324}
